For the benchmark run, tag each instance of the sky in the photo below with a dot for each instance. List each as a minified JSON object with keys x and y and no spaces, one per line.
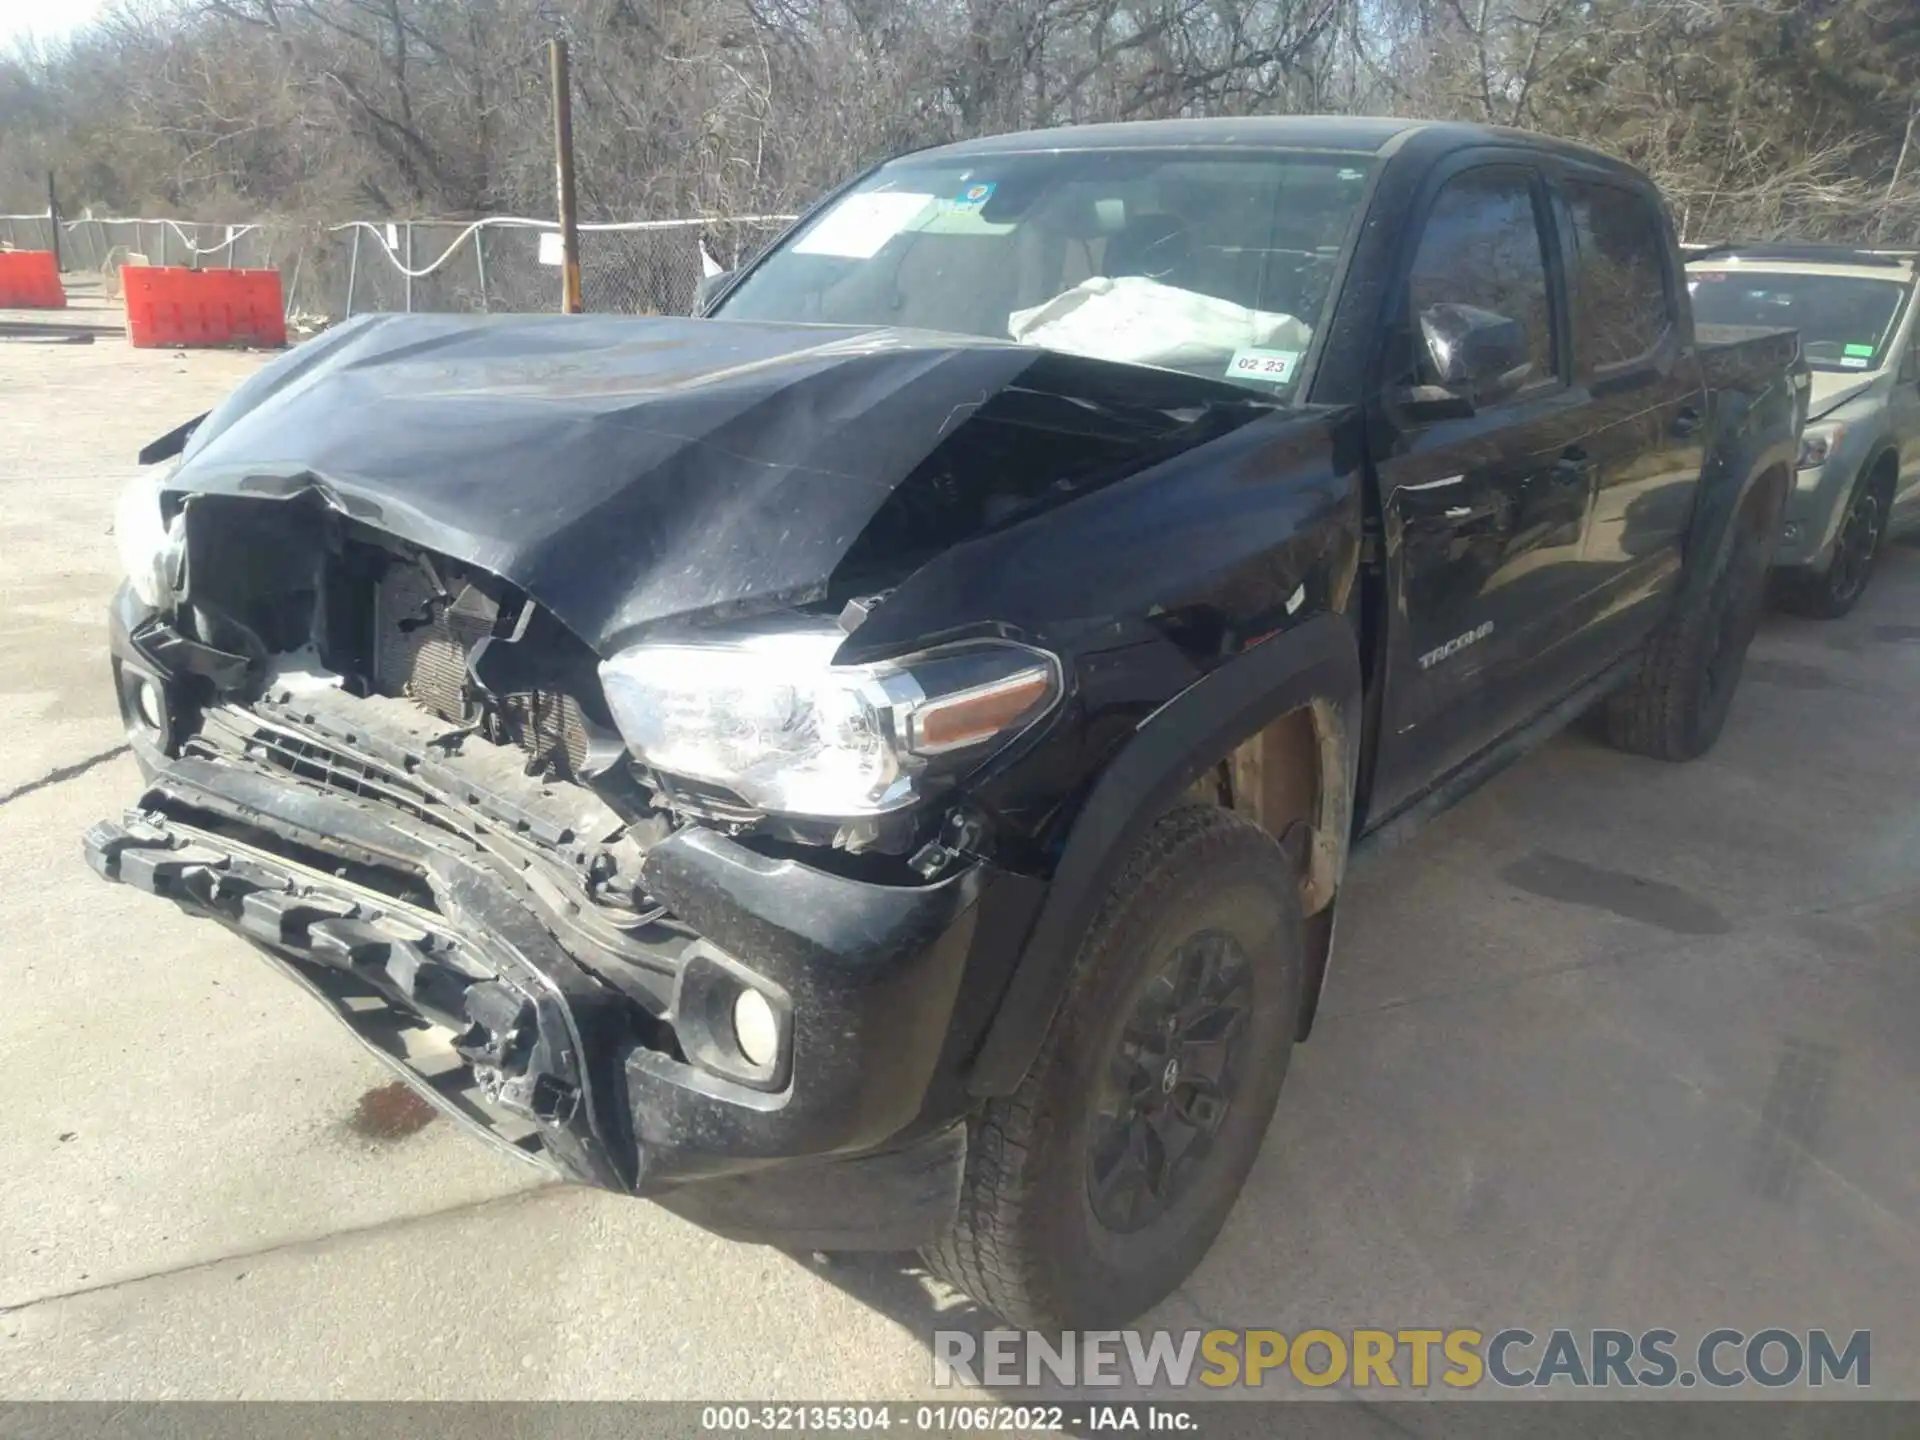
{"x":47,"y":19}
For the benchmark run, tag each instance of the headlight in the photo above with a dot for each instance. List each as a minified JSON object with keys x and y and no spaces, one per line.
{"x":763,"y":712}
{"x":1818,"y":443}
{"x":150,"y":549}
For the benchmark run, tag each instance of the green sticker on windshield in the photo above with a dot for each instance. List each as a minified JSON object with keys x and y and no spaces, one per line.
{"x":1864,"y":350}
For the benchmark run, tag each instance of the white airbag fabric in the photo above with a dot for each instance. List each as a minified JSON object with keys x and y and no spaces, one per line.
{"x":1134,"y":319}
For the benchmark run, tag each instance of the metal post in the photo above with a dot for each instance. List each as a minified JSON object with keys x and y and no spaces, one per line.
{"x":53,"y":222}
{"x":408,"y":267}
{"x":563,"y":177}
{"x":293,"y":285}
{"x":480,"y":266}
{"x":353,"y":270}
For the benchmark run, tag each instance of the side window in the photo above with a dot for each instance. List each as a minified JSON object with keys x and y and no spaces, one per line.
{"x":1910,"y":364}
{"x":1623,"y":273}
{"x":1482,"y":247}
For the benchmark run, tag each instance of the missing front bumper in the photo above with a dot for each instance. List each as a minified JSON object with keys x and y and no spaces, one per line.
{"x":489,"y":1017}
{"x":425,"y":901}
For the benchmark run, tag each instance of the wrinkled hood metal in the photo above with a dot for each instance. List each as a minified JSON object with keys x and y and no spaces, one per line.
{"x":1832,"y":389}
{"x":626,"y":470}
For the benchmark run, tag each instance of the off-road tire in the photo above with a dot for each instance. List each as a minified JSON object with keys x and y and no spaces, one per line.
{"x":1027,"y":1244}
{"x":1676,"y":702}
{"x":1835,"y":588}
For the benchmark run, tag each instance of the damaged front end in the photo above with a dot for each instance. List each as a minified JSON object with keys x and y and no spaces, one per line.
{"x":399,"y":776}
{"x":500,"y":680}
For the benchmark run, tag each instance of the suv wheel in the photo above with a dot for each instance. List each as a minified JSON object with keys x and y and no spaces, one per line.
{"x":1675,"y":704}
{"x":1829,"y":593}
{"x":1096,"y":1188}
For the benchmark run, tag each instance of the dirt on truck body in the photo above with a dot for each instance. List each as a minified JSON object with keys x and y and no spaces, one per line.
{"x":874,"y":767}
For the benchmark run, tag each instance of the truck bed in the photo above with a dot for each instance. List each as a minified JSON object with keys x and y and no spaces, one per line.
{"x":1748,"y":359}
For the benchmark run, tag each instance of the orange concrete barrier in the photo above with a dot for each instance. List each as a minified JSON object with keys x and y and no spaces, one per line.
{"x":169,"y":305}
{"x":30,"y":280}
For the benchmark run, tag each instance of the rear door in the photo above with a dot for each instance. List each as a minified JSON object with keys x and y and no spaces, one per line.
{"x":1484,"y":516}
{"x":1633,"y":354}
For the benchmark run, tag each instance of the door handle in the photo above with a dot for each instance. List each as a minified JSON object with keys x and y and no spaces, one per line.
{"x":1686,"y":422}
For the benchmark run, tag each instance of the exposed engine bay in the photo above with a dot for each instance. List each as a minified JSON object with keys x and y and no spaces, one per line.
{"x":369,"y":667}
{"x":294,"y":587}
{"x":426,"y":630}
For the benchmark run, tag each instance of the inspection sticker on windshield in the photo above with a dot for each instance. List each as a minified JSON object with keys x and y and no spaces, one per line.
{"x":860,"y":225}
{"x":1865,"y":351}
{"x":1275,"y":366}
{"x":1855,"y":362}
{"x":977,"y":195}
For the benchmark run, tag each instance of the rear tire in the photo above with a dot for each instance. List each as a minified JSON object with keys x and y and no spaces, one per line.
{"x":1835,"y":588}
{"x":1676,"y":703}
{"x":1096,"y":1187}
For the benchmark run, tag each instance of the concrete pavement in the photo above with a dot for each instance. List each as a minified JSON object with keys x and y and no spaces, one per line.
{"x":1614,"y":1043}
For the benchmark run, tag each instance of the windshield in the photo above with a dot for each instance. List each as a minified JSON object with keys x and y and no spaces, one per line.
{"x":1208,"y":263}
{"x":1845,"y":323}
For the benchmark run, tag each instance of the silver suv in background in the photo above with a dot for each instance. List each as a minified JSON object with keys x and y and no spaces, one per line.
{"x":1859,"y":472}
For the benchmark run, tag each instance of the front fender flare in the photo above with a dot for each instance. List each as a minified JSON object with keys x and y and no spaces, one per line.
{"x":1317,"y":660}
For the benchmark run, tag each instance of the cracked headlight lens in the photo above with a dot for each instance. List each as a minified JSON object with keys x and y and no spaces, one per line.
{"x":150,"y":549}
{"x":762,"y":711}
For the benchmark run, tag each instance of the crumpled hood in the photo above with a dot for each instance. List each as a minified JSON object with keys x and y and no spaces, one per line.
{"x":627,"y":470}
{"x":1832,"y":389}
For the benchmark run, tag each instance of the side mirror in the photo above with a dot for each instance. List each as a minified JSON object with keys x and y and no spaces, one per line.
{"x":709,"y":286}
{"x":1472,"y":357}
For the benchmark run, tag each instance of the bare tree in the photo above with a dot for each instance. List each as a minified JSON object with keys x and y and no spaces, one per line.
{"x":1782,"y":116}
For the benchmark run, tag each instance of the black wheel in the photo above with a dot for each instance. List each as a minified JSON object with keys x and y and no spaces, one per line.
{"x":1675,"y":704}
{"x":1829,"y":593}
{"x":1095,"y":1188}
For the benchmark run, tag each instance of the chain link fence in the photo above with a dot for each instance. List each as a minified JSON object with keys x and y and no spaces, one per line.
{"x":496,"y":264}
{"x":646,"y":267}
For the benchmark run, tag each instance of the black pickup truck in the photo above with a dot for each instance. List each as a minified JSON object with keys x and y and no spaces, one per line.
{"x":875,"y":767}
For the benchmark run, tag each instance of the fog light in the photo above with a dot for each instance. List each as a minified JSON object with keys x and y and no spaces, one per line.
{"x":756,"y":1029}
{"x":146,"y":703}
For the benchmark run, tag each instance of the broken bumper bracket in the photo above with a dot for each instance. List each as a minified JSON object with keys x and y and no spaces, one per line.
{"x":482,"y":1042}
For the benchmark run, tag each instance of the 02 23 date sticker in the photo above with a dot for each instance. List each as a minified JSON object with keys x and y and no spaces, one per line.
{"x":1276,"y":367}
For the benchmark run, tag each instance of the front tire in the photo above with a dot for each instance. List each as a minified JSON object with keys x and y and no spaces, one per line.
{"x":1096,"y":1187}
{"x":1834,"y":589}
{"x":1674,"y":706}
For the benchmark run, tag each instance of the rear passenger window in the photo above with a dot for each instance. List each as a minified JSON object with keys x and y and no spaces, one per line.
{"x":1623,"y":272}
{"x":1482,"y":247}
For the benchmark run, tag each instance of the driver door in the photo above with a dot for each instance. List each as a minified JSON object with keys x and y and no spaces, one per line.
{"x":1484,"y":514}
